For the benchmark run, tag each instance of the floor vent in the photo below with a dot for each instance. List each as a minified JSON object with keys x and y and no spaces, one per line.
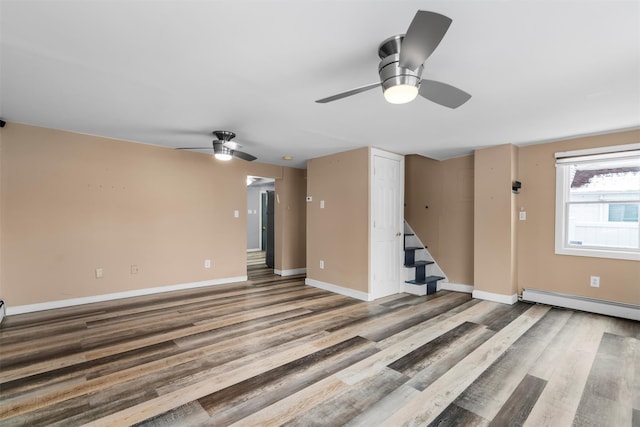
{"x":610,"y":308}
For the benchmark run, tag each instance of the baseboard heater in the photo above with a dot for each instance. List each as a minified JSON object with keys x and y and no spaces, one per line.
{"x":610,"y":308}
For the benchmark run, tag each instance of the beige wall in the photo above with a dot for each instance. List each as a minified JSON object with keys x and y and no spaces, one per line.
{"x":455,"y":252}
{"x":290,"y":213}
{"x":446,"y":226}
{"x":538,"y":266}
{"x":72,"y":203}
{"x":1,"y":269}
{"x":291,"y":227}
{"x":494,"y":256}
{"x":513,"y":250}
{"x":471,"y":196}
{"x":339,"y":233}
{"x":423,"y":200}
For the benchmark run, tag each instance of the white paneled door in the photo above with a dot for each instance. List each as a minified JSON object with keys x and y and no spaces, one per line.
{"x":387,"y":211}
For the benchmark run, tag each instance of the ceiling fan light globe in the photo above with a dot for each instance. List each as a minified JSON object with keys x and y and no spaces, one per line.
{"x":399,"y":85}
{"x":401,"y":94}
{"x":221,"y":152}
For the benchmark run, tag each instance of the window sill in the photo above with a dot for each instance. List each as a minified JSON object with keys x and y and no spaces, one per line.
{"x":599,"y":253}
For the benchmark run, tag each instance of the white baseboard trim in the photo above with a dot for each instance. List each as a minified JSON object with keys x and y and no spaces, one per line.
{"x":20,"y":309}
{"x":292,"y":272}
{"x":609,"y":308}
{"x":363,"y":296}
{"x":490,"y":296}
{"x":254,"y":250}
{"x":456,"y":287}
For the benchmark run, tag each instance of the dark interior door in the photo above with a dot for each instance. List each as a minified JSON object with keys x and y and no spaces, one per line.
{"x":263,"y":221}
{"x":270,"y":226}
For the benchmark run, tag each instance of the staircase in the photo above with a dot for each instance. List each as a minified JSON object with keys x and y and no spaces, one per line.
{"x":417,"y":260}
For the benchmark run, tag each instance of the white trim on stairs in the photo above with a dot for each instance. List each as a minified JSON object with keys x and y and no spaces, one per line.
{"x":419,"y":290}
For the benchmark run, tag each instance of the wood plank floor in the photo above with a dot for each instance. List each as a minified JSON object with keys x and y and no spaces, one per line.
{"x":273,"y":351}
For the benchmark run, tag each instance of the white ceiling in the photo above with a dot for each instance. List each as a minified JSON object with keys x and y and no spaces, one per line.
{"x":170,"y":72}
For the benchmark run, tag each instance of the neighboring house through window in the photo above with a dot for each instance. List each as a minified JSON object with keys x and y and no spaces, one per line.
{"x":597,"y":202}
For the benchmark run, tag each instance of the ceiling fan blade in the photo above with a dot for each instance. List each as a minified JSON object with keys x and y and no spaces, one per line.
{"x":443,"y":94}
{"x":243,"y":156}
{"x":348,"y":93}
{"x":423,"y":36}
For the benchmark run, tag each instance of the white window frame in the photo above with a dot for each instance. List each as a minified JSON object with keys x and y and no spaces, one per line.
{"x":562,"y":195}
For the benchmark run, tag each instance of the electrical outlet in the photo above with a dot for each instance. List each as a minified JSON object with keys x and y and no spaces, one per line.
{"x":207,"y":263}
{"x":134,"y":269}
{"x":321,"y":264}
{"x":595,"y":281}
{"x":99,"y":273}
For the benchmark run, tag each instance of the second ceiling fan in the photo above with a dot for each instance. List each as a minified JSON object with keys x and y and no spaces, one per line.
{"x":224,"y":148}
{"x":402,"y":61}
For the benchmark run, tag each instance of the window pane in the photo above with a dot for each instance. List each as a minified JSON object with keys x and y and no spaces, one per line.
{"x":623,"y":212}
{"x":612,"y":180}
{"x":603,"y":225}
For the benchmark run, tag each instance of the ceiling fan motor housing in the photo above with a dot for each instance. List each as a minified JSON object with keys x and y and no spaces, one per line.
{"x":224,"y":135}
{"x":391,"y":74}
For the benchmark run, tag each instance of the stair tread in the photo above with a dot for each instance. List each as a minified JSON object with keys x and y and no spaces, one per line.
{"x":424,"y":281}
{"x":419,"y":263}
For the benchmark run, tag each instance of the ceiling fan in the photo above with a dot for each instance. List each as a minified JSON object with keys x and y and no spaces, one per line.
{"x":224,"y":148}
{"x":402,"y":61}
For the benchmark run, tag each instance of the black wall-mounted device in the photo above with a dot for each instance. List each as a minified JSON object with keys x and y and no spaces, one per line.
{"x":516,"y":186}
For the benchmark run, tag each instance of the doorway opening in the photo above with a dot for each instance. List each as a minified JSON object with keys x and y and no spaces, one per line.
{"x":260,"y":222}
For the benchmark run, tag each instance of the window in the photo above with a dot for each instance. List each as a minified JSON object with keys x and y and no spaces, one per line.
{"x":623,"y":212}
{"x":597,"y":203}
